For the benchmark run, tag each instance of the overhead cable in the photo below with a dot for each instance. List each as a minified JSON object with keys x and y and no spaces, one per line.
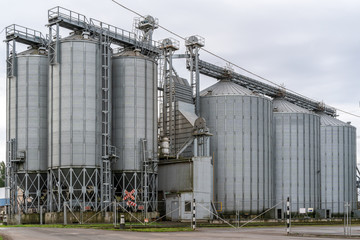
{"x":231,"y":63}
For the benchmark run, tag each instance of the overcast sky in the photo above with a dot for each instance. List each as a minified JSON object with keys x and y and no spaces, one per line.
{"x":312,"y":47}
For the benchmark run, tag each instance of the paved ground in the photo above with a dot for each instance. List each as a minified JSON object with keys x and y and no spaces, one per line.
{"x":202,"y":234}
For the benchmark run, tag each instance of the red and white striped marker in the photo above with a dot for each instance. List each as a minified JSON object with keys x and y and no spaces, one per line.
{"x":130,"y":203}
{"x":129,"y":195}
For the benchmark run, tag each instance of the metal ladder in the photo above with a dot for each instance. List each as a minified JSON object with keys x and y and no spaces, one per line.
{"x":10,"y":177}
{"x":168,"y":112}
{"x":145,"y":173}
{"x":106,"y":120}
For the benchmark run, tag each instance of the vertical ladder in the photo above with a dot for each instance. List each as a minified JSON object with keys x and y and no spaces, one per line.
{"x":168,"y":113}
{"x":106,"y":119}
{"x":161,"y":90}
{"x":170,"y":106}
{"x":145,"y":175}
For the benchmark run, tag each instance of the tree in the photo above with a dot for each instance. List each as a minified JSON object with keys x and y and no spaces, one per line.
{"x":2,"y":174}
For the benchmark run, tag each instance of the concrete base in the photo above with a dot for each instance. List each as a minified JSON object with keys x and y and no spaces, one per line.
{"x":29,"y":218}
{"x":93,"y":217}
{"x":76,"y":217}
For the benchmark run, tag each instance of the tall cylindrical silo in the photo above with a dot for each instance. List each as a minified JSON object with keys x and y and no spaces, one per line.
{"x":134,"y":124}
{"x":75,"y":124}
{"x":27,"y":125}
{"x":241,"y":145}
{"x":297,"y":156}
{"x":338,"y":165}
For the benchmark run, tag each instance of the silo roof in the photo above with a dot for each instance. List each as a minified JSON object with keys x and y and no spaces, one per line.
{"x":327,"y":120}
{"x":281,"y":105}
{"x":30,"y":51}
{"x":180,"y":80}
{"x":226,"y":87}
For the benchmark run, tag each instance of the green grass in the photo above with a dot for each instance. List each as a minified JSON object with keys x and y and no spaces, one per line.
{"x":129,"y":227}
{"x":279,"y":224}
{"x":170,"y":229}
{"x":179,"y":227}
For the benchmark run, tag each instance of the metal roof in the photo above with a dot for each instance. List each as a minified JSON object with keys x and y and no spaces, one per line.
{"x":282,"y":106}
{"x":226,"y":87}
{"x":326,"y":120}
{"x":217,"y":72}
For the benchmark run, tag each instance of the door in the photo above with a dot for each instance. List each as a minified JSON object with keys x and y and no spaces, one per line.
{"x":175,"y":210}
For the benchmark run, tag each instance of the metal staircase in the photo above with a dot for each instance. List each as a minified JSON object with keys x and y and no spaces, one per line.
{"x":106,"y":119}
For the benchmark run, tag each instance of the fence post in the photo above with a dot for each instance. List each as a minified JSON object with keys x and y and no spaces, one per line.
{"x":115,"y":217}
{"x":41,"y":215}
{"x":65,"y":217}
{"x":347,"y":219}
{"x":288,"y":216}
{"x":193,"y":222}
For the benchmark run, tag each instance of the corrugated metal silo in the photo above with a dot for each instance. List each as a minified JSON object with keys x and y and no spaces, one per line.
{"x":27,"y":124}
{"x":134,"y":114}
{"x":242,"y":125}
{"x":338,"y":165}
{"x":297,"y":156}
{"x":75,"y":123}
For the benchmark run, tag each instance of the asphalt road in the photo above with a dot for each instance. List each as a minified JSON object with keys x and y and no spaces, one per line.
{"x":277,"y":233}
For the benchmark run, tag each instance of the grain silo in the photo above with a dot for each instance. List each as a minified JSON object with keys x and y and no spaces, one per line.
{"x":75,"y":124}
{"x":297,"y":156}
{"x":241,"y":124}
{"x":338,"y":165}
{"x":134,"y":126}
{"x":27,"y":126}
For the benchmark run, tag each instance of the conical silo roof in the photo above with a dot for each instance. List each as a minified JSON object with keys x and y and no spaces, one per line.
{"x":225,"y":87}
{"x":283,"y":106}
{"x":327,"y":120}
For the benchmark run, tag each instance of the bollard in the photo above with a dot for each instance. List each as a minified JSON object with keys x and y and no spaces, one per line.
{"x":115,"y":213}
{"x":5,"y":222}
{"x":122,"y":222}
{"x":193,"y":220}
{"x":288,"y":216}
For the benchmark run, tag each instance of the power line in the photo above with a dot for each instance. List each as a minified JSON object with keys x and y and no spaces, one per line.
{"x":233,"y":64}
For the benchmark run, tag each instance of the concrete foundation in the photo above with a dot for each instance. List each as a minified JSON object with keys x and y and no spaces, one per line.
{"x":77,"y":217}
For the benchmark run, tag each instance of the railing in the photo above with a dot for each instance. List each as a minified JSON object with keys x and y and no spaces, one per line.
{"x":72,"y":16}
{"x":112,"y":31}
{"x":67,"y":18}
{"x":25,"y":33}
{"x":214,"y":71}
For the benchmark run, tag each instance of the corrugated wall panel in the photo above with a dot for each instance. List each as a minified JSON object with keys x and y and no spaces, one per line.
{"x":297,"y":160}
{"x":338,"y":164}
{"x":75,"y":110}
{"x":27,"y":113}
{"x":134,"y":109}
{"x":242,"y":150}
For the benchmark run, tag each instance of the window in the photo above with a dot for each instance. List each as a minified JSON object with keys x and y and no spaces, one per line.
{"x":187,"y":206}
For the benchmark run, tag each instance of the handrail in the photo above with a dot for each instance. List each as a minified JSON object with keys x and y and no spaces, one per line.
{"x":110,"y":29}
{"x":71,"y":19}
{"x":28,"y":34}
{"x":215,"y":71}
{"x":66,"y":13}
